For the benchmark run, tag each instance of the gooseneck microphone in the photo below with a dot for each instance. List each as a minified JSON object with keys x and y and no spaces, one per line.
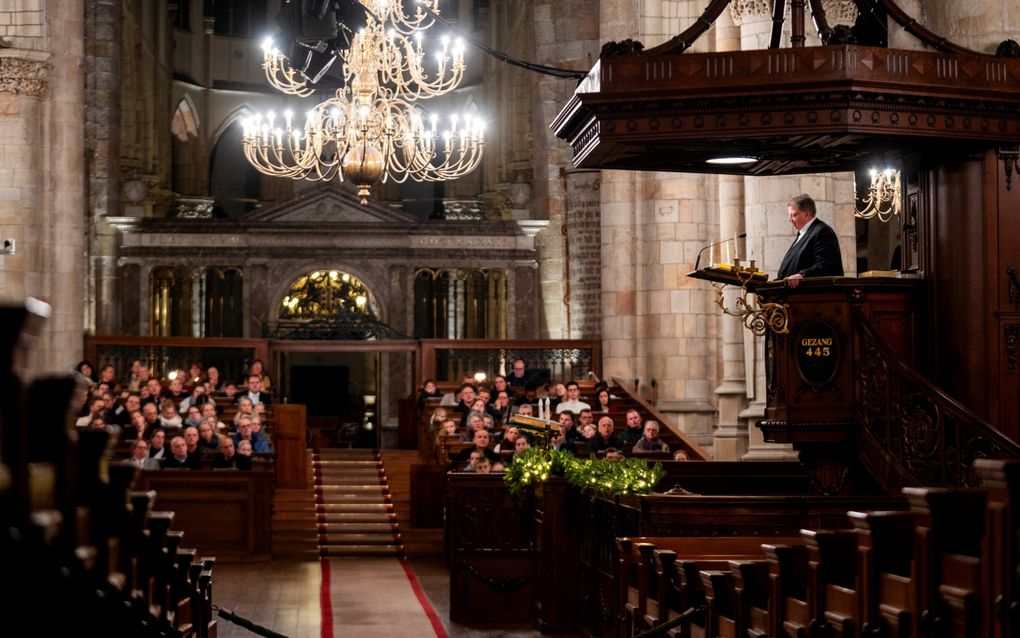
{"x":697,"y":262}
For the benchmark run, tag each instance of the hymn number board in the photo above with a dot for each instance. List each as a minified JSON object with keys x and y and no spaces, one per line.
{"x":818,"y":349}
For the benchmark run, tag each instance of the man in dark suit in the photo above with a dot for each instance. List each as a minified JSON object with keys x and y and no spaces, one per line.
{"x":815,"y":251}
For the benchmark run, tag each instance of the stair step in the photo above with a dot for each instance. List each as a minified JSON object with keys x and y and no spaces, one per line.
{"x":354,"y":507}
{"x":374,"y":518}
{"x":357,"y":528}
{"x":346,"y":479}
{"x":327,"y":483}
{"x":361,"y":550}
{"x":341,"y":498}
{"x":340,"y":538}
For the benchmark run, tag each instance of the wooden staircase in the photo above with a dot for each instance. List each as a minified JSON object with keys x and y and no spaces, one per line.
{"x":419,"y":542}
{"x":353,"y":509}
{"x":295,"y":534}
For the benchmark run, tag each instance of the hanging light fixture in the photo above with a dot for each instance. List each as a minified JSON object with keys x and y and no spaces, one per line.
{"x":883,"y":197}
{"x":371,"y":130}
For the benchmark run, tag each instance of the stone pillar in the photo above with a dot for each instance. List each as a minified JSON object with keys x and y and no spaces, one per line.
{"x":730,"y":437}
{"x":566,"y":34}
{"x":102,"y":153}
{"x":41,"y":186}
{"x":583,"y":254}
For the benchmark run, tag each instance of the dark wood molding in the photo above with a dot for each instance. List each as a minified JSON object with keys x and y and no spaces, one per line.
{"x":803,"y":110}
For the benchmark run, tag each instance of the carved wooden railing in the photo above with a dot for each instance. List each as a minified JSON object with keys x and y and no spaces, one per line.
{"x":913,"y":433}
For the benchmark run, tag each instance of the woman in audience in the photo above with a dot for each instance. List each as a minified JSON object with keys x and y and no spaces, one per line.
{"x":138,"y":428}
{"x":520,"y":445}
{"x":86,"y":370}
{"x":244,"y":408}
{"x":213,"y":379}
{"x":603,"y":402}
{"x":207,"y":435}
{"x":651,"y":442}
{"x":258,"y":368}
{"x":475,"y":422}
{"x":510,"y":437}
{"x":156,"y":441}
{"x":438,"y":417}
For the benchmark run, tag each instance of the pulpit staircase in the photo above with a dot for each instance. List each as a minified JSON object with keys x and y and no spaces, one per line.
{"x":353,"y":509}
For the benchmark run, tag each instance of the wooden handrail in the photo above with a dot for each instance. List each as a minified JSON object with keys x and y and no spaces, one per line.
{"x":923,"y":428}
{"x":695,"y":451}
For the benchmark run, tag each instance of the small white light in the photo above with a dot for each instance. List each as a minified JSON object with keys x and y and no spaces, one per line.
{"x":738,"y":159}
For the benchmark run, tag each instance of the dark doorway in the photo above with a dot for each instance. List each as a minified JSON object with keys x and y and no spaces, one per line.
{"x":323,"y":389}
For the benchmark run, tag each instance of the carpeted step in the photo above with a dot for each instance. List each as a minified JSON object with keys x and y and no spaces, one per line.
{"x":330,"y":538}
{"x":361,"y":550}
{"x":355,"y":508}
{"x":374,"y":518}
{"x":357,"y":528}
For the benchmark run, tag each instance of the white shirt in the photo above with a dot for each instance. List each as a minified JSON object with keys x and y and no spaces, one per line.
{"x":573,"y":406}
{"x":803,"y":230}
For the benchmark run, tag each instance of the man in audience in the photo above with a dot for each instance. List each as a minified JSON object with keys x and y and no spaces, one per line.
{"x":651,"y":442}
{"x":255,"y":392}
{"x":525,"y":410}
{"x":630,"y":436}
{"x":570,"y":433}
{"x":244,"y":433}
{"x":122,"y":413}
{"x":179,"y":459}
{"x":573,"y":402}
{"x":467,"y":395}
{"x":481,"y":444}
{"x":140,"y":456}
{"x":196,"y":399}
{"x":518,"y":376}
{"x":585,"y":417}
{"x":604,"y":438}
{"x":176,"y":392}
{"x":192,"y":438}
{"x":227,"y":457}
{"x":153,"y":391}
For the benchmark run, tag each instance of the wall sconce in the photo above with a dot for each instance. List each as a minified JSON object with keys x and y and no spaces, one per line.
{"x":883,"y":197}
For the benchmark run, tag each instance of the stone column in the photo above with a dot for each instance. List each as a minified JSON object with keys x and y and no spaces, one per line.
{"x":41,"y":186}
{"x":730,"y":437}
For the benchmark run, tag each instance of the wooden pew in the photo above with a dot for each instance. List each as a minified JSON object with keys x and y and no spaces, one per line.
{"x":1001,"y":480}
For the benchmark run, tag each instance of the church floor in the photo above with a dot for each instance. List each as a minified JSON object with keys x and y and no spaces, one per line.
{"x":284,"y":596}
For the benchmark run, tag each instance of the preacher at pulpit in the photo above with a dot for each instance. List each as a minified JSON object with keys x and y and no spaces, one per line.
{"x":815,"y":251}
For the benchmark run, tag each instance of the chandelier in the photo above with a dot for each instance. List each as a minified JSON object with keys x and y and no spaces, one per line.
{"x":883,"y":197}
{"x":371,"y":130}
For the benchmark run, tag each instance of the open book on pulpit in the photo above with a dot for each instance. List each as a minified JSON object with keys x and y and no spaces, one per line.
{"x":736,"y":274}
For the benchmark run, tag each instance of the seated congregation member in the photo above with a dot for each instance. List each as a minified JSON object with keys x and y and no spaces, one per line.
{"x":603,"y":402}
{"x":502,"y":406}
{"x":207,"y":436}
{"x":466,"y":395}
{"x":520,"y":444}
{"x":483,"y":466}
{"x":213,"y":380}
{"x":244,"y":449}
{"x":86,"y":372}
{"x":559,"y":442}
{"x":245,"y":407}
{"x":151,"y":415}
{"x":428,"y":391}
{"x":630,"y":436}
{"x":209,"y":412}
{"x":258,"y":369}
{"x":612,"y":454}
{"x":151,"y":392}
{"x":168,"y":417}
{"x":526,"y":410}
{"x":179,"y":459}
{"x":193,"y":416}
{"x":508,"y":440}
{"x":157,"y":444}
{"x":481,"y":445}
{"x":140,"y":456}
{"x":175,"y":392}
{"x":245,"y":433}
{"x":573,"y":401}
{"x":651,"y":442}
{"x":557,"y":395}
{"x":195,"y":449}
{"x":588,"y":432}
{"x":566,"y":421}
{"x":475,"y":422}
{"x":257,"y":433}
{"x":227,"y":458}
{"x":122,"y":413}
{"x":255,"y":392}
{"x":681,"y":455}
{"x":97,"y":410}
{"x":585,"y":417}
{"x":448,"y":427}
{"x":108,"y":375}
{"x":499,"y":384}
{"x":196,"y":399}
{"x":605,"y":438}
{"x":138,"y":428}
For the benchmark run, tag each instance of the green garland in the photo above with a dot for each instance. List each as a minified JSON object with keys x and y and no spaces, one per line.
{"x":597,"y":477}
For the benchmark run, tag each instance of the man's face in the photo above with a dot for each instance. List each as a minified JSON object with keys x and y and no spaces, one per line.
{"x":519,"y":368}
{"x":140,"y":449}
{"x":208,"y":409}
{"x":585,"y":417}
{"x":153,"y":386}
{"x":227,"y":447}
{"x":565,"y":420}
{"x":132,"y":403}
{"x":244,"y":428}
{"x":467,"y":395}
{"x":179,"y":446}
{"x":651,"y":430}
{"x":633,"y":419}
{"x":521,"y":444}
{"x":484,"y":395}
{"x":176,"y":385}
{"x":481,"y":439}
{"x":482,"y":466}
{"x":797,"y":217}
{"x":605,"y":427}
{"x":473,"y":459}
{"x":254,"y":384}
{"x":191,"y":437}
{"x":573,"y":392}
{"x":499,"y":383}
{"x":525,"y":410}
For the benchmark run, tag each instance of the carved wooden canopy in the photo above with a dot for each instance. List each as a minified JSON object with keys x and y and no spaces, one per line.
{"x":797,"y":110}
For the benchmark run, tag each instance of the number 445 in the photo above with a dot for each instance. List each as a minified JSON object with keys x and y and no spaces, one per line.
{"x":817,"y":351}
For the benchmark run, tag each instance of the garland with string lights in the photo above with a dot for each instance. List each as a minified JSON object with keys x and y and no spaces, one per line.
{"x":597,"y":477}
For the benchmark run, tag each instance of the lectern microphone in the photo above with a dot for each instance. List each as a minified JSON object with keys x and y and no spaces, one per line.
{"x":697,"y":262}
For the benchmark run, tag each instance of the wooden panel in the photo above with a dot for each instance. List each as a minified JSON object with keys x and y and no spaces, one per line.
{"x":291,"y":446}
{"x":222,"y":513}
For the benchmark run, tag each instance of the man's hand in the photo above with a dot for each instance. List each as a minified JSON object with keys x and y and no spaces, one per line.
{"x":793,"y":280}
